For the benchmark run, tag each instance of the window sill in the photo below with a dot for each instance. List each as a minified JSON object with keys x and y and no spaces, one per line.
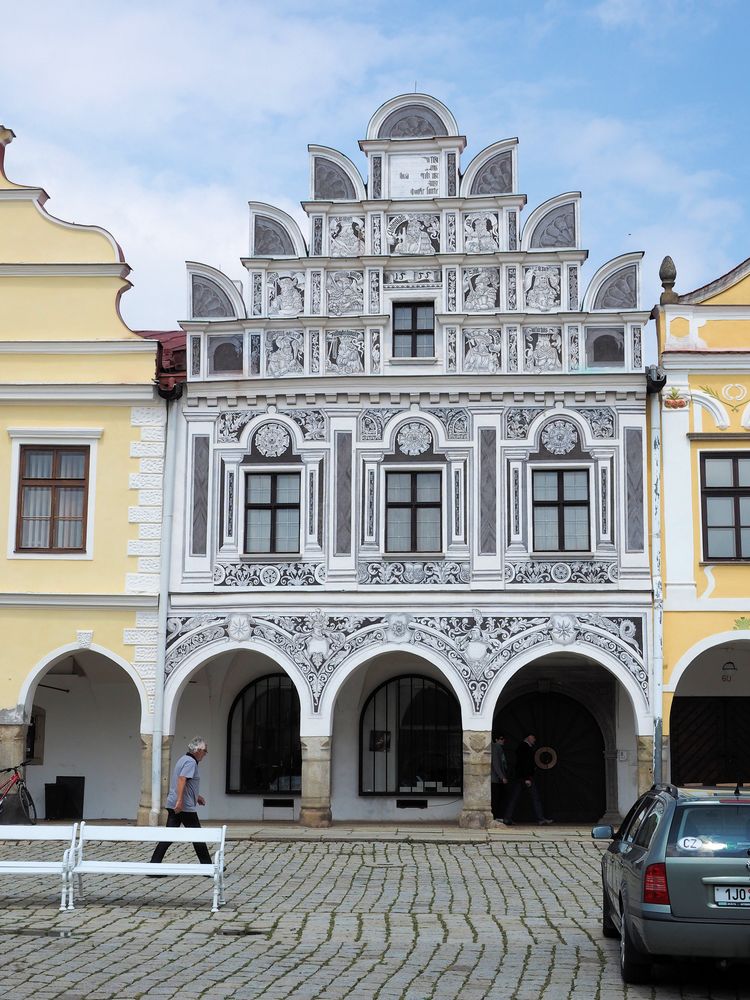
{"x":407,"y":362}
{"x":413,"y":556}
{"x":724,"y":562}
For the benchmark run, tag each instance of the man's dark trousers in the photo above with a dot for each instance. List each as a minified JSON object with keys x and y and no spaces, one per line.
{"x":189,"y":819}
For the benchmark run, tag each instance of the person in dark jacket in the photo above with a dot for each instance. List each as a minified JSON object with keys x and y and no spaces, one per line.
{"x":499,"y":776}
{"x":525,"y":773}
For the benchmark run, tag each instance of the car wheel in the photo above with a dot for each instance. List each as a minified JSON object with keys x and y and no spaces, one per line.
{"x":608,"y":926}
{"x":634,"y":966}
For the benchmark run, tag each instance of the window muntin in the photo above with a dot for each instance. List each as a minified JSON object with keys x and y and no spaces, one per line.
{"x":725,"y":499}
{"x":264,"y":751}
{"x":272,"y":512}
{"x":52,"y":499}
{"x":413,"y":330}
{"x":411,"y":740}
{"x":560,"y":505}
{"x":413,"y":507}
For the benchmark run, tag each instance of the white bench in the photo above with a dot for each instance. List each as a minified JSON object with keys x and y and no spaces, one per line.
{"x":61,"y":866}
{"x":83,"y":865}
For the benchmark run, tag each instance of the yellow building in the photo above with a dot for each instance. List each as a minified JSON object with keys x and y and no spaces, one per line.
{"x":701,"y":436}
{"x":81,"y":449}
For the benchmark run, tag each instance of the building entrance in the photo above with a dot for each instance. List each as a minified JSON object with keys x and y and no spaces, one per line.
{"x":569,"y":755}
{"x":710,"y":740}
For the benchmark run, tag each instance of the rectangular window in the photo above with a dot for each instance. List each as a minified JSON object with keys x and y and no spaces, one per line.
{"x":560,"y":501}
{"x":725,"y":500}
{"x":272,"y":512}
{"x":414,"y":330}
{"x":413,"y":512}
{"x":52,"y":499}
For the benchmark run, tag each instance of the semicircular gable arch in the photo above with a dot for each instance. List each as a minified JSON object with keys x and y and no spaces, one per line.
{"x":412,"y":116}
{"x":554,"y":224}
{"x":615,"y":286}
{"x":492,"y":171}
{"x":274,"y":233}
{"x":560,"y":439}
{"x":333,"y":176}
{"x":213,"y":295}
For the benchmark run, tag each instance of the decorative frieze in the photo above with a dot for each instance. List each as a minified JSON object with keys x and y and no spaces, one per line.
{"x":257,"y":294}
{"x":450,"y":232}
{"x":252,"y":575}
{"x":315,"y":292}
{"x":413,"y":572}
{"x":450,"y":349}
{"x":518,"y":419}
{"x":536,"y":572}
{"x":431,"y":277}
{"x":374,"y":291}
{"x":377,"y":235}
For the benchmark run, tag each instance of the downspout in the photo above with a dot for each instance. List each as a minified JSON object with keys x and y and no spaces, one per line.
{"x":170,"y":396}
{"x":655,"y":380}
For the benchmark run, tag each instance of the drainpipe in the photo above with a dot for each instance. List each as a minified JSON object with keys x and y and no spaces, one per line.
{"x":655,"y":381}
{"x":170,"y":396}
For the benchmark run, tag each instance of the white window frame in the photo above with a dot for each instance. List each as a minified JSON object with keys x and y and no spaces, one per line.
{"x":408,"y":467}
{"x":255,"y":468}
{"x":589,"y":469}
{"x":86,"y":437}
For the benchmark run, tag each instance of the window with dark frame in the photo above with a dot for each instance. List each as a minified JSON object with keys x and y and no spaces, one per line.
{"x":560,"y":503}
{"x":272,"y":512}
{"x":264,"y":752}
{"x":52,"y":499}
{"x":413,"y":506}
{"x":413,"y":330}
{"x":725,"y":504}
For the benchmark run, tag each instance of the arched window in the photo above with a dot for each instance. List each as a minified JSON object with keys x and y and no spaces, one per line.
{"x":263,"y":745}
{"x":410,"y":740}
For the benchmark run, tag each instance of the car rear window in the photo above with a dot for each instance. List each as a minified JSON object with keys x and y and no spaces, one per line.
{"x":713,"y":830}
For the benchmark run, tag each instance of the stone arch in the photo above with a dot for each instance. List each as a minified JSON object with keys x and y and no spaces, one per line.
{"x":26,"y":693}
{"x":690,"y":655}
{"x":399,"y":420}
{"x":553,"y":224}
{"x":714,"y":406}
{"x":412,"y":116}
{"x":615,"y":286}
{"x":249,"y":430}
{"x":536,"y":427}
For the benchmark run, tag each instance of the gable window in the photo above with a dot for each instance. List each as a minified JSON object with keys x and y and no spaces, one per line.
{"x":272,"y":516}
{"x":413,"y":511}
{"x":725,"y":501}
{"x":413,"y":330}
{"x":52,"y":499}
{"x":560,"y":502}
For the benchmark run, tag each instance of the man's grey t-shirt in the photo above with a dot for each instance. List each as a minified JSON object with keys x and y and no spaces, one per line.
{"x":186,"y":767}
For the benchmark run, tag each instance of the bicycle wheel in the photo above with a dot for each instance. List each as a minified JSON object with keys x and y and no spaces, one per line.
{"x":27,"y":804}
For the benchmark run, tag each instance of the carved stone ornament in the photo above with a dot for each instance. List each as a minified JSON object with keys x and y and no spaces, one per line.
{"x":284,"y":352}
{"x":414,"y":439}
{"x":345,"y":352}
{"x":472,"y":647}
{"x":243,"y":575}
{"x":559,"y":437}
{"x":541,"y":285}
{"x":518,"y":419}
{"x":481,"y":289}
{"x":346,"y":235}
{"x":495,"y":176}
{"x":536,"y":573}
{"x":230,"y":425}
{"x":482,"y":351}
{"x":481,"y":232}
{"x":414,"y":121}
{"x":455,"y":419}
{"x":413,"y":233}
{"x":543,"y":348}
{"x":619,"y":290}
{"x":601,"y":420}
{"x":414,"y":572}
{"x":272,"y":440}
{"x":372,"y":422}
{"x":312,"y":422}
{"x":84,"y":638}
{"x":286,"y":293}
{"x":271,"y":238}
{"x":209,"y":300}
{"x":556,"y":229}
{"x":345,"y":292}
{"x":331,"y":182}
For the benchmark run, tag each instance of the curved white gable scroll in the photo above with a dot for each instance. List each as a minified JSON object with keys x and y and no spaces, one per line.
{"x":330,"y":184}
{"x":618,"y":269}
{"x":433,"y":112}
{"x":211,"y":294}
{"x":274,"y":233}
{"x":494,"y":170}
{"x":550,"y":226}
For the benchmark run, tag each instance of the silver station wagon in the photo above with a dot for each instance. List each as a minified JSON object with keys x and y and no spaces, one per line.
{"x":676,"y":878}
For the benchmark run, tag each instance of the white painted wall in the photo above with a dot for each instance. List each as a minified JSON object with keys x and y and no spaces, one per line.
{"x":627,"y":752}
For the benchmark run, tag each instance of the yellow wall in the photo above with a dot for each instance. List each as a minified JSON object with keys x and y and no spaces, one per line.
{"x":48,"y":307}
{"x":29,"y":236}
{"x":90,"y":369}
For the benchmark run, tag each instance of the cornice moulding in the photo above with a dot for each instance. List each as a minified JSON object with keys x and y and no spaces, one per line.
{"x":64,"y":270}
{"x":45,"y":433}
{"x":78,"y":347}
{"x":92,"y":601}
{"x":114,"y":394}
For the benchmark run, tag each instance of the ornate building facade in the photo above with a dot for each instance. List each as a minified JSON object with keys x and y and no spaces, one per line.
{"x":410,"y":501}
{"x":700,"y":435}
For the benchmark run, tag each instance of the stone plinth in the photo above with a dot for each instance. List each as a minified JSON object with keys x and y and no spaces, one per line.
{"x":477,"y":812}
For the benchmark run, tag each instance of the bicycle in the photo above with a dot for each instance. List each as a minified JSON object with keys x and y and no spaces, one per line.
{"x":24,"y":796}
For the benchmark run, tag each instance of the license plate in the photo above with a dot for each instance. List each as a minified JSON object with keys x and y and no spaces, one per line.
{"x":732,"y":895}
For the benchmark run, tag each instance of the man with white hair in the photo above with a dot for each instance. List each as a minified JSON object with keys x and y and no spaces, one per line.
{"x":183,"y":799}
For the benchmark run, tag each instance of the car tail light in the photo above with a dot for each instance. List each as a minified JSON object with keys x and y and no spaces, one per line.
{"x":655,"y":888}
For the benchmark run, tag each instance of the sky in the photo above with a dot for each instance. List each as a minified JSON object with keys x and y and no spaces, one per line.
{"x":160,"y":119}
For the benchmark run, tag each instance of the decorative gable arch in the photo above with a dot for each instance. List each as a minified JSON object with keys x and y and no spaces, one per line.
{"x":553,"y":224}
{"x":212,"y":295}
{"x":333,"y":176}
{"x":274,"y":233}
{"x":492,"y":171}
{"x":412,"y":116}
{"x":616,"y":285}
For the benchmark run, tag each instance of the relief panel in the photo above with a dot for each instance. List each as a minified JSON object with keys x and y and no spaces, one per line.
{"x":345,"y":290}
{"x":541,"y":287}
{"x":346,"y":235}
{"x":482,"y":351}
{"x":285,"y":352}
{"x":286,"y":293}
{"x":481,"y":289}
{"x":481,"y":232}
{"x":414,"y":233}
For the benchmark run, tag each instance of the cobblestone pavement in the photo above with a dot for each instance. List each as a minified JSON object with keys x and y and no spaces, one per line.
{"x":405,"y":920}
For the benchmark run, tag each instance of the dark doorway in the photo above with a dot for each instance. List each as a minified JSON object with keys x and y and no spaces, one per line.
{"x":569,"y":754}
{"x":710,"y":740}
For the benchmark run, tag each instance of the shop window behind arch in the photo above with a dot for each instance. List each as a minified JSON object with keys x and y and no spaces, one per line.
{"x":411,"y":739}
{"x":264,"y":753}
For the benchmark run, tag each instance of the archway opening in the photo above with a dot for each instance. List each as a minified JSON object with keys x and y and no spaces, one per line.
{"x":264,"y":753}
{"x":709,"y":720}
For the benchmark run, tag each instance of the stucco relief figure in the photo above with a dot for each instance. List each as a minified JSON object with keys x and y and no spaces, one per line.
{"x":481,"y":288}
{"x":346,"y":236}
{"x":345,"y":352}
{"x":284,"y":353}
{"x":286,"y":293}
{"x":542,"y":288}
{"x":481,"y":233}
{"x":345,"y":292}
{"x":412,"y":233}
{"x":544,"y":349}
{"x":482,"y":351}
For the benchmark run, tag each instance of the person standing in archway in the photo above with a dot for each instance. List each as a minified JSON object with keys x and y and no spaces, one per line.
{"x":499,"y":776}
{"x":525,"y":775}
{"x":183,"y":799}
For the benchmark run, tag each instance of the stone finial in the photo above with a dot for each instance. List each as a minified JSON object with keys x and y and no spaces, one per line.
{"x":668,"y":276}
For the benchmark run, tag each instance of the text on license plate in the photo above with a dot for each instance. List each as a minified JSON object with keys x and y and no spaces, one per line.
{"x":732,"y":895}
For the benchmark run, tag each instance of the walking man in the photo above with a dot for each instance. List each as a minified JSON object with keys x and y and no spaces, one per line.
{"x":499,"y":776}
{"x":525,"y":772}
{"x":183,"y":799}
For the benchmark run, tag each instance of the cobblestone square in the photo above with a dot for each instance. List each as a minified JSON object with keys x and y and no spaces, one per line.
{"x":323,"y":919}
